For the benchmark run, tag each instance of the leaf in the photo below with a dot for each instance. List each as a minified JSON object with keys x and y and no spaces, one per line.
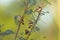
{"x":1,"y":25}
{"x":31,"y":39}
{"x":32,"y":2}
{"x":29,"y":11}
{"x":22,"y":33}
{"x":43,"y":13}
{"x":36,"y":29}
{"x":21,"y":38}
{"x":47,"y":1}
{"x":2,"y":33}
{"x":7,"y":32}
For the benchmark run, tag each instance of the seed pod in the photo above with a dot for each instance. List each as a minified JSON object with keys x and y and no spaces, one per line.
{"x":26,"y":31}
{"x":30,"y":24}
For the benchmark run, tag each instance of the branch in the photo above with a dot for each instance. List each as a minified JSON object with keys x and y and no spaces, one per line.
{"x":33,"y":25}
{"x":20,"y":22}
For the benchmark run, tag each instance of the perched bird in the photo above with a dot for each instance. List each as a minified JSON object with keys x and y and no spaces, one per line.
{"x":17,"y":19}
{"x":38,"y":9}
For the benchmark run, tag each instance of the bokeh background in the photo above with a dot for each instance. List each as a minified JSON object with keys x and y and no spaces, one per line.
{"x":48,"y":24}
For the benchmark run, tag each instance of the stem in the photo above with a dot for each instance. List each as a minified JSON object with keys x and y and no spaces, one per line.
{"x":33,"y":26}
{"x":26,"y":7}
{"x":34,"y":23}
{"x":19,"y":26}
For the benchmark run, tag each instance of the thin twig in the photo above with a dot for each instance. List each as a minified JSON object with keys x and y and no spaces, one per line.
{"x":35,"y":22}
{"x":26,"y":7}
{"x":33,"y":26}
{"x":19,"y":26}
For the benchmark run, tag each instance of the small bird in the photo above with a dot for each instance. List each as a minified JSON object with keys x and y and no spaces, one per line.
{"x":38,"y":9}
{"x":17,"y":19}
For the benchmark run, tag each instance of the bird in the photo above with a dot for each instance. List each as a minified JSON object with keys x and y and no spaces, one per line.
{"x":17,"y":19}
{"x":38,"y":9}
